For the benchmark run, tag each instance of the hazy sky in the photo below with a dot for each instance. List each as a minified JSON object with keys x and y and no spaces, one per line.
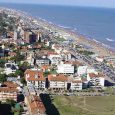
{"x":99,"y":3}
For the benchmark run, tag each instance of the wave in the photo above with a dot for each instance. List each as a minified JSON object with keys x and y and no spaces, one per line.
{"x":64,"y":26}
{"x":110,"y":40}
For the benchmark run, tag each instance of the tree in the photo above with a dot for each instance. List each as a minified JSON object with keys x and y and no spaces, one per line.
{"x":23,"y":81}
{"x":11,"y":102}
{"x":3,"y":78}
{"x":12,"y":75}
{"x":19,"y":73}
{"x":24,"y":66}
{"x":2,"y":63}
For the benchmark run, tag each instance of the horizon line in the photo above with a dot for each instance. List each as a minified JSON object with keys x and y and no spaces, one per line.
{"x":58,"y":5}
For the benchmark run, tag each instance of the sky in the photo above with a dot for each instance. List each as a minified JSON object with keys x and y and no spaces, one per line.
{"x":95,"y":3}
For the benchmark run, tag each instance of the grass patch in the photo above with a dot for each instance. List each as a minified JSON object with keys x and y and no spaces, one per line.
{"x":73,"y":105}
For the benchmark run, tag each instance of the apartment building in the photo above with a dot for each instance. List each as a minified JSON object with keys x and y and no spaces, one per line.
{"x":57,"y":82}
{"x":65,"y":68}
{"x":35,"y":78}
{"x":35,"y":105}
{"x":54,"y":57}
{"x":9,"y":90}
{"x":95,"y":79}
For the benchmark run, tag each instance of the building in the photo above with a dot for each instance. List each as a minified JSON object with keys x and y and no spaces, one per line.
{"x":61,"y":82}
{"x":57,"y":82}
{"x":66,"y":56}
{"x":46,"y":68}
{"x":65,"y":68}
{"x":35,"y":105}
{"x":76,"y":85}
{"x":41,"y":61}
{"x":95,"y":79}
{"x":10,"y":68}
{"x":9,"y":90}
{"x":81,"y":70}
{"x":54,"y":57}
{"x":35,"y":78}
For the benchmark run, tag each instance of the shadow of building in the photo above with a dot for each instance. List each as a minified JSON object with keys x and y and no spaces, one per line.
{"x":50,"y":107}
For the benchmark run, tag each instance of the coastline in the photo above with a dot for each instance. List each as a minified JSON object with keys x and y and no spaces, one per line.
{"x":98,"y":47}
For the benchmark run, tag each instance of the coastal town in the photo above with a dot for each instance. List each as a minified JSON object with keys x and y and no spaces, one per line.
{"x":39,"y":60}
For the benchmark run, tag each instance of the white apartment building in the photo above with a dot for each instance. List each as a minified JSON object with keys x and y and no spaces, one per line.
{"x":35,"y":78}
{"x":82,"y":70}
{"x":76,"y":85}
{"x":57,"y":82}
{"x":10,"y":68}
{"x":61,"y":82}
{"x":65,"y":68}
{"x":95,"y":80}
{"x":54,"y":58}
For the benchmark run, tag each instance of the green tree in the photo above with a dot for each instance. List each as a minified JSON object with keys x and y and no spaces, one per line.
{"x":24,"y":66}
{"x":23,"y":81}
{"x":2,"y":63}
{"x":11,"y":102}
{"x":19,"y":73}
{"x":3,"y":78}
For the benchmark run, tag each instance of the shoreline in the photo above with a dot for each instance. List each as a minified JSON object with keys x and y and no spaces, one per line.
{"x":98,"y":47}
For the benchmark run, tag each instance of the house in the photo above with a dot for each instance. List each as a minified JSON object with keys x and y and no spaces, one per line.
{"x":100,"y":59}
{"x":66,"y":56}
{"x":81,"y":70}
{"x":9,"y":90}
{"x":35,"y":78}
{"x":61,"y":82}
{"x":57,"y":48}
{"x":95,"y":79}
{"x":35,"y":105}
{"x":12,"y":54}
{"x":65,"y":68}
{"x":76,"y":85}
{"x":10,"y":68}
{"x":54,"y":57}
{"x":41,"y":61}
{"x":46,"y":68}
{"x":57,"y":82}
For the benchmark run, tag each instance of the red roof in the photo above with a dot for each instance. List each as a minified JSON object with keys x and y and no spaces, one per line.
{"x":59,"y":77}
{"x":35,"y":75}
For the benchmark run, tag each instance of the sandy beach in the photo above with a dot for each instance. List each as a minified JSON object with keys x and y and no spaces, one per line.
{"x":97,"y":47}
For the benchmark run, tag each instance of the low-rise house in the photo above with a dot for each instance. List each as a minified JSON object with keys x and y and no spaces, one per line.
{"x":65,"y":68}
{"x":35,"y":78}
{"x":35,"y":105}
{"x":100,"y":59}
{"x":10,"y":68}
{"x":12,"y":54}
{"x":95,"y":80}
{"x":57,"y":48}
{"x":76,"y":85}
{"x":54,"y":57}
{"x":46,"y":68}
{"x":81,"y":70}
{"x":9,"y":90}
{"x":66,"y":56}
{"x":41,"y":61}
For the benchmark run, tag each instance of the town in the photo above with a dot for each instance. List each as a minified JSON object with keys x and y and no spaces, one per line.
{"x":37,"y":60}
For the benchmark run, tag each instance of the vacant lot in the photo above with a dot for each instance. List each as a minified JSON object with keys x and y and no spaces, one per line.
{"x":72,"y":105}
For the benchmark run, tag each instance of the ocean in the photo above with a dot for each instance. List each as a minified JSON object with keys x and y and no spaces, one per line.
{"x":94,"y":23}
